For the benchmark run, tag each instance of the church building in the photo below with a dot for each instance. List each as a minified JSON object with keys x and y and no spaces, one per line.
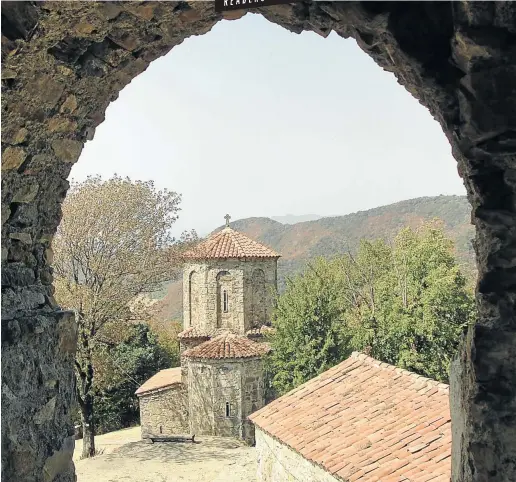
{"x":229,"y":286}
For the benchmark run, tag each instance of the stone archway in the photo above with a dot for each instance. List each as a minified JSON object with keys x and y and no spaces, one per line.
{"x":64,"y":62}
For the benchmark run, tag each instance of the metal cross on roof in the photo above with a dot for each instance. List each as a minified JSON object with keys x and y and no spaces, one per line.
{"x":227,"y":217}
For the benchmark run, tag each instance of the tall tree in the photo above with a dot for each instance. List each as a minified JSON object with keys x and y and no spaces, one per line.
{"x":308,"y":336}
{"x":422,"y":301}
{"x":112,"y":247}
{"x":406,"y":304}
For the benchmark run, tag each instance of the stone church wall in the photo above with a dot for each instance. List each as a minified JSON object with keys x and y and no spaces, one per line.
{"x":227,"y":399}
{"x":216,"y":386}
{"x":225,"y":314}
{"x":253,"y":395}
{"x":194,"y":295}
{"x":251,"y":286}
{"x":279,"y":463}
{"x":164,"y":411}
{"x":200,"y":397}
{"x":260,"y":280}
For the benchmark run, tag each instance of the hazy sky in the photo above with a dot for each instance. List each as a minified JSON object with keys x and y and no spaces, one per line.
{"x":253,"y":120}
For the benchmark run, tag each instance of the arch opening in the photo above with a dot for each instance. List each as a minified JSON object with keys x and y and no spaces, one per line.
{"x":225,"y":316}
{"x":63,"y":65}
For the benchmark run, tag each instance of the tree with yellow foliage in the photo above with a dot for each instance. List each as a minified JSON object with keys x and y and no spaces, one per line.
{"x":113,"y":246}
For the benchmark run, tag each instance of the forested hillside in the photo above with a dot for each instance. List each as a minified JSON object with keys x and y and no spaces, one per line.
{"x":300,"y":242}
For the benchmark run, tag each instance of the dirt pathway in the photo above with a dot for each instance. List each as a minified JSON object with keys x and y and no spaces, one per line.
{"x":126,"y":458}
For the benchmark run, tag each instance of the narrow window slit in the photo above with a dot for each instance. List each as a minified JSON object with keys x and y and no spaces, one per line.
{"x":225,"y":300}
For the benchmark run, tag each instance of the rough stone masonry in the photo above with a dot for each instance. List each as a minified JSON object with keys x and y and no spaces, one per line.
{"x":64,"y":62}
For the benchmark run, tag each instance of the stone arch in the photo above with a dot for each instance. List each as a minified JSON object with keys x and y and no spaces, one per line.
{"x":258,"y":298}
{"x":63,"y":63}
{"x":193,"y":298}
{"x":225,"y":300}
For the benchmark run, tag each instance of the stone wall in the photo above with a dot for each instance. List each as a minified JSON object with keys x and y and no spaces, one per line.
{"x":228,"y":299}
{"x":227,"y":395}
{"x":200,"y":397}
{"x":62,"y":65}
{"x":261,"y":285}
{"x":214,"y":386}
{"x":193,"y":304}
{"x":257,"y":315}
{"x":251,"y":286}
{"x":194,"y":295}
{"x":165,"y":411}
{"x":253,"y":395}
{"x":278,"y":463}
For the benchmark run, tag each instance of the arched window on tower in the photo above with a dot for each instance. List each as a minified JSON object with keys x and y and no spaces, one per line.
{"x":224,"y":299}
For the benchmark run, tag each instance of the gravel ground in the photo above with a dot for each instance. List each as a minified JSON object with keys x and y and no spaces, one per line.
{"x":126,"y":458}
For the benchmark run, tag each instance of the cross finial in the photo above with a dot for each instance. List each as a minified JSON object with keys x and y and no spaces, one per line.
{"x":227,"y":217}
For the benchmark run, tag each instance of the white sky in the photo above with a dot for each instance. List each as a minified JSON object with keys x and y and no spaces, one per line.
{"x":254,"y":120}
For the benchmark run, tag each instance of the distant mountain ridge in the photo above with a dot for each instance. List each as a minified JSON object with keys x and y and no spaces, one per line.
{"x":294,"y":219}
{"x":328,"y":236}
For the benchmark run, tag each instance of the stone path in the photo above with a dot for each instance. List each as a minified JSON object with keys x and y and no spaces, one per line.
{"x":126,"y":458}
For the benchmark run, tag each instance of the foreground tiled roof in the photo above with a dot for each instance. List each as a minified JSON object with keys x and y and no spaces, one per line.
{"x":230,"y":244}
{"x":363,"y":420}
{"x":162,"y":379}
{"x":227,"y":345}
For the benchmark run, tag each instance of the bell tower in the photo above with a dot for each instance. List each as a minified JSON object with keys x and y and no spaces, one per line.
{"x":229,"y":283}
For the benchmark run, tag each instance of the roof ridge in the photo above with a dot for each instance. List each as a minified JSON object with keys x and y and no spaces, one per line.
{"x":235,"y":239}
{"x":234,"y":346}
{"x":402,"y":371}
{"x":229,"y":243}
{"x":366,"y":411}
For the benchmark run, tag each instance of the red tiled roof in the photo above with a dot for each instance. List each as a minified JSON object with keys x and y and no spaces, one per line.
{"x":162,"y":379}
{"x":227,"y":345}
{"x":260,"y":331}
{"x":364,"y":420}
{"x":230,"y":244}
{"x":194,"y":332}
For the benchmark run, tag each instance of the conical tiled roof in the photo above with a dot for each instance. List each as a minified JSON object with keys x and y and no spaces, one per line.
{"x":229,"y":243}
{"x":195,"y":332}
{"x":228,"y":345}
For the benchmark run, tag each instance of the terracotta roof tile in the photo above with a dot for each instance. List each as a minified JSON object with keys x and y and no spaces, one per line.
{"x":229,"y":243}
{"x":363,"y":420}
{"x":260,"y":331}
{"x":197,"y":333}
{"x":227,"y":345}
{"x":162,"y":379}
